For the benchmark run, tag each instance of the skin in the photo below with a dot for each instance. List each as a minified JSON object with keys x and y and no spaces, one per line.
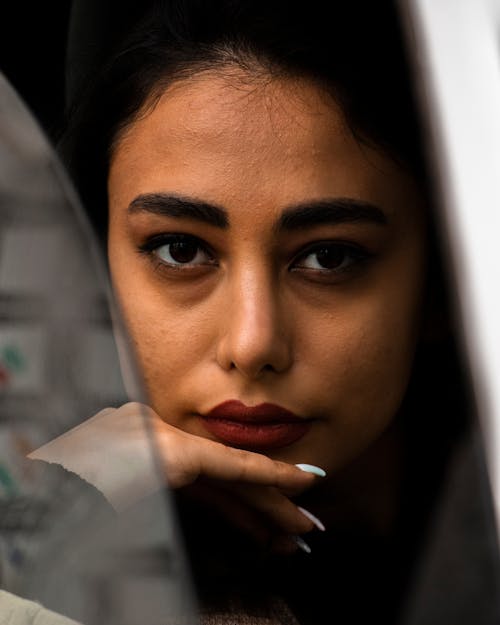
{"x":254,"y":315}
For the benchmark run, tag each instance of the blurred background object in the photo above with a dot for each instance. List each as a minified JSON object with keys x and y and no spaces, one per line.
{"x":63,"y":357}
{"x":456,"y":62}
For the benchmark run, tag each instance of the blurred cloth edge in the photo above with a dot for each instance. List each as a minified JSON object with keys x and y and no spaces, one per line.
{"x":17,"y":611}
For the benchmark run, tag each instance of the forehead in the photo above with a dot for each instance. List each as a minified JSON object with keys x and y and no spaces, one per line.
{"x":216,"y":106}
{"x":228,"y":137}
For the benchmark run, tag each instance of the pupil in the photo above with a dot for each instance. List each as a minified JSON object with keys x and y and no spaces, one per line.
{"x":329,"y":257}
{"x":183,"y":251}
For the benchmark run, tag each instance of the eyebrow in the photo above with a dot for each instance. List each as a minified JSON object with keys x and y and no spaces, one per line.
{"x":306,"y":215}
{"x":167,"y":205}
{"x":330,"y":211}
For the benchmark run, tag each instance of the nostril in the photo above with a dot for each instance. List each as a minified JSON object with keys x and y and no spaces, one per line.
{"x":264,"y":368}
{"x":253,"y":352}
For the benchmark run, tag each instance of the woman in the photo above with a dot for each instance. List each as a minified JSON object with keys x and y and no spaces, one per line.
{"x":257,"y":174}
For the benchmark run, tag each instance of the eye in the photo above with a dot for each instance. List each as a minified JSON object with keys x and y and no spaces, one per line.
{"x":330,"y":258}
{"x":178,"y":250}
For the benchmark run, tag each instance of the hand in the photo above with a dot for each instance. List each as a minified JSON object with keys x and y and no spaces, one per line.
{"x":115,"y":451}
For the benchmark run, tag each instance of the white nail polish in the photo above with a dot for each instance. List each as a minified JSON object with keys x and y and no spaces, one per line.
{"x":311,"y":468}
{"x":312,"y":518}
{"x":301,"y":543}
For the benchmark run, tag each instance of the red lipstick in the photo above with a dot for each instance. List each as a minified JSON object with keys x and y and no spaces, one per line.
{"x":266,"y":426}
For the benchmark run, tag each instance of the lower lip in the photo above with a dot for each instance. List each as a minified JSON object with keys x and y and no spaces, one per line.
{"x":256,"y":435}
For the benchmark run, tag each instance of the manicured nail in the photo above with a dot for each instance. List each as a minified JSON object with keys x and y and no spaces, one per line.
{"x":312,"y":518}
{"x":311,"y":468}
{"x":301,"y":544}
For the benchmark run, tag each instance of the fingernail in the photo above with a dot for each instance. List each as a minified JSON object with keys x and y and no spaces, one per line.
{"x":301,"y":544}
{"x":311,"y":468}
{"x":312,"y":518}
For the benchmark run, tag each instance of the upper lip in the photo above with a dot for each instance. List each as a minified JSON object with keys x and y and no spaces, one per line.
{"x":235,"y":410}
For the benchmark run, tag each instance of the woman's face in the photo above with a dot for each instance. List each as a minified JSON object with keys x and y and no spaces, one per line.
{"x":262,"y":255}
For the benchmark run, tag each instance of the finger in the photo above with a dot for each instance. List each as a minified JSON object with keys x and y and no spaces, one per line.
{"x":283,"y":544}
{"x":214,"y":460}
{"x":267,"y":530}
{"x":230,"y":509}
{"x":224,"y":504}
{"x":277,"y":510}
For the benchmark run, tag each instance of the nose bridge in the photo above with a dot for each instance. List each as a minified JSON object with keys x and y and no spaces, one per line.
{"x":255,"y":339}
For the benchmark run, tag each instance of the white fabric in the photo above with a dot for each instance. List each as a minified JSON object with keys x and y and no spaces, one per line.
{"x":17,"y":611}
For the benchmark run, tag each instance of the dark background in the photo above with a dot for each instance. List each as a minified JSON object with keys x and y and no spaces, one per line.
{"x":32,"y":55}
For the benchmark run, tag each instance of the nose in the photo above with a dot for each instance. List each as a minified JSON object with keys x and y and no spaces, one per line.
{"x":254,"y":339}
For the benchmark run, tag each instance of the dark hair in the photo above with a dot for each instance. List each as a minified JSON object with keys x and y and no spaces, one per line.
{"x":354,"y":49}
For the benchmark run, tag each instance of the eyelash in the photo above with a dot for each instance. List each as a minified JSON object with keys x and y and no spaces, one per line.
{"x":153,"y":244}
{"x":358,"y":255}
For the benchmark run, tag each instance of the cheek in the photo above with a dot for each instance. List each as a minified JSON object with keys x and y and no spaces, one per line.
{"x":164,"y":338}
{"x":365,"y":362}
{"x":171,"y":342}
{"x":364,"y":351}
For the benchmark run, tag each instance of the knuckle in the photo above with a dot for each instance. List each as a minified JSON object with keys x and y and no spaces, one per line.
{"x":297,"y":523}
{"x":136,"y":409}
{"x":243,"y":463}
{"x":132,"y":406}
